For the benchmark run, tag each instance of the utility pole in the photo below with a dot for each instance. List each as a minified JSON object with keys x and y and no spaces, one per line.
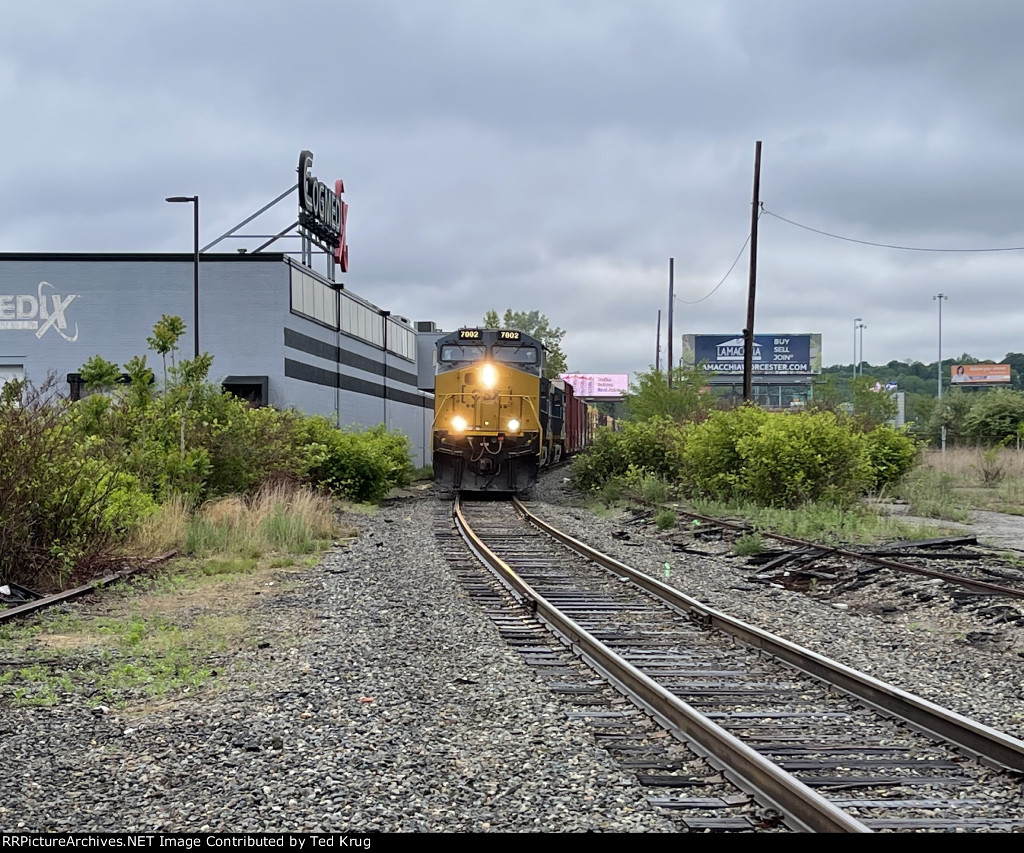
{"x":671,"y":301}
{"x":748,"y":332}
{"x":657,"y":345}
{"x":939,"y":298}
{"x":856,"y":320}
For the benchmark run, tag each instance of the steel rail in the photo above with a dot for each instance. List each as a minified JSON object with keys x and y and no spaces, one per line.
{"x":805,"y":808}
{"x":981,"y":586}
{"x":92,"y":586}
{"x":981,"y":741}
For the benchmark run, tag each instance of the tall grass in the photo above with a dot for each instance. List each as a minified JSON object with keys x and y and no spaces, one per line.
{"x":819,"y":522}
{"x":165,"y":530}
{"x":949,"y":484}
{"x":277,"y":519}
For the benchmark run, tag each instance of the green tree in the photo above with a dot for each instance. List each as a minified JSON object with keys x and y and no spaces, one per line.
{"x":650,"y":397}
{"x":950,"y":412}
{"x":98,"y":374}
{"x":537,"y":325}
{"x":1016,"y":362}
{"x":826,"y":394}
{"x":164,"y":340}
{"x":994,"y":417}
{"x":872,"y":406}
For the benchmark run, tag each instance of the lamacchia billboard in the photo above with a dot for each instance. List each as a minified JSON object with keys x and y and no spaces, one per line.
{"x":773,"y":354}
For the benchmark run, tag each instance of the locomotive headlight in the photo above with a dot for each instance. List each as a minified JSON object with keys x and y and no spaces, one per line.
{"x":513,"y":425}
{"x":488,"y":376}
{"x":459,"y":423}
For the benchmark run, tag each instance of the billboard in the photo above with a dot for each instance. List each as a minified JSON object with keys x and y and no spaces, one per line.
{"x":597,"y":384}
{"x":773,"y":354}
{"x":970,"y":374}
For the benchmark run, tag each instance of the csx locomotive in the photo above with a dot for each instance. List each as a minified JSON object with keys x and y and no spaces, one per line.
{"x":497,"y":420}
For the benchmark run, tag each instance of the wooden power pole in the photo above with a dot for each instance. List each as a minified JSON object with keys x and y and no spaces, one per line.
{"x":657,"y":345}
{"x":748,"y":332}
{"x":671,"y":300}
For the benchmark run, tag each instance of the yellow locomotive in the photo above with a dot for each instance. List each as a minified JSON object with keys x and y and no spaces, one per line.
{"x":490,"y":410}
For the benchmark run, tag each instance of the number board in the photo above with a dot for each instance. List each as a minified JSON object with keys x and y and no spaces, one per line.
{"x":469,"y":335}
{"x":505,"y":335}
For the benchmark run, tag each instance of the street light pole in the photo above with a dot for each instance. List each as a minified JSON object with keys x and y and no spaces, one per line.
{"x":384,"y":316}
{"x":193,"y":199}
{"x":939,"y":298}
{"x":856,"y":320}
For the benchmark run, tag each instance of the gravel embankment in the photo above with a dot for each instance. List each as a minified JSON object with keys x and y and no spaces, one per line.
{"x":385,"y":701}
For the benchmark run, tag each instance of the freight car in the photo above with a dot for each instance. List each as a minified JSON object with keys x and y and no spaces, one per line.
{"x":497,"y":419}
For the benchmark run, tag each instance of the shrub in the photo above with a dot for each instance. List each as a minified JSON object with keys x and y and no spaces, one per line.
{"x":775,"y":459}
{"x":798,"y":458}
{"x":61,"y":502}
{"x":748,"y":545}
{"x":891,"y":454}
{"x":665,"y":519}
{"x":359,"y":465}
{"x":654,"y":445}
{"x":606,"y":458}
{"x":994,"y":417}
{"x":713,"y":464}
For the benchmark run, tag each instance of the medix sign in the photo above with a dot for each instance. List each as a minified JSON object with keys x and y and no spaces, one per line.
{"x":322,"y":212}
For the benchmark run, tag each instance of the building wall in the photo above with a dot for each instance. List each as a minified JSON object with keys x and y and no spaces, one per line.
{"x":108,"y":304}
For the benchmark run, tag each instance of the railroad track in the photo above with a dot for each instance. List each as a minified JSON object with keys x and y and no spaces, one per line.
{"x":959,"y":560}
{"x":731,"y":729}
{"x":35,"y":602}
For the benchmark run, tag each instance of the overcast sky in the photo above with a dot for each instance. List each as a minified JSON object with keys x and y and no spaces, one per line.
{"x":553,"y":155}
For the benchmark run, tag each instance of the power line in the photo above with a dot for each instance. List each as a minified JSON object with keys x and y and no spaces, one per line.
{"x":888,"y":245}
{"x":724,"y":277}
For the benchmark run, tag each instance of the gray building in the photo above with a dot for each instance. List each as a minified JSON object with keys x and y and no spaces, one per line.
{"x":279,"y":332}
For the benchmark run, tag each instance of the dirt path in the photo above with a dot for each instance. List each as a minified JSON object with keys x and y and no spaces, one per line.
{"x":992,"y":528}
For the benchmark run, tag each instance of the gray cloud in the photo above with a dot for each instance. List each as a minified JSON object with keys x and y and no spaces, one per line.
{"x":552,"y":155}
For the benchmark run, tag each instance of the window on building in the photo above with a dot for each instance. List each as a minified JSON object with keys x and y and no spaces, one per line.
{"x":401,"y":340}
{"x":314,"y":299}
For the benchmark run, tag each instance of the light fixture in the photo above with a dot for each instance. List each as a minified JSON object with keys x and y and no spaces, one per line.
{"x":193,"y":199}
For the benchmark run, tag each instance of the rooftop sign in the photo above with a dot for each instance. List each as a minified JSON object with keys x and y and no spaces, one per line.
{"x":322,"y":213}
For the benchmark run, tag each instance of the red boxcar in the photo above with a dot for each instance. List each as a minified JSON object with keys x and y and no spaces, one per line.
{"x":576,"y":426}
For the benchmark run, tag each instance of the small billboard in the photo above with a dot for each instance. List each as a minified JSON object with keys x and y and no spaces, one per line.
{"x":979,"y":374}
{"x":606,"y":385}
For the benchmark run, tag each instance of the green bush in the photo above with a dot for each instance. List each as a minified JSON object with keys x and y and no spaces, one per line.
{"x":655,"y":445}
{"x":607,"y":457}
{"x":713,"y":464}
{"x":665,"y":519}
{"x":358,"y":465}
{"x":62,"y":502}
{"x":801,"y":458}
{"x":994,"y":417}
{"x":891,"y":454}
{"x":748,"y":545}
{"x":746,"y":455}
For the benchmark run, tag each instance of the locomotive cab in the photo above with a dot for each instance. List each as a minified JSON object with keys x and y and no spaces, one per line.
{"x":487,"y":430}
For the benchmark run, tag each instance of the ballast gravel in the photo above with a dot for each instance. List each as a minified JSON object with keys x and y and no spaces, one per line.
{"x":383,"y":700}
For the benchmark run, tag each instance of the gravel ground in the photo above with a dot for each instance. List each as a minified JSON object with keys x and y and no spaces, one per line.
{"x":410,"y":715}
{"x":943,"y":652}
